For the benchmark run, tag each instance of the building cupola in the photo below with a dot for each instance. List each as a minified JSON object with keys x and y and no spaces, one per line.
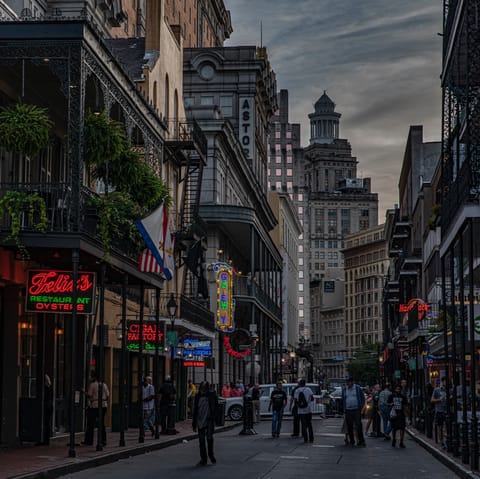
{"x":324,"y":121}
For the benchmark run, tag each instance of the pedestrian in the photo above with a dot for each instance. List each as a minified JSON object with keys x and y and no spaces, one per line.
{"x":148,"y":404}
{"x":226,"y":391}
{"x":406,"y":393}
{"x":398,"y":404}
{"x":255,"y":392}
{"x":294,"y":409}
{"x":385,"y":410}
{"x":236,"y":391}
{"x":191,"y":391}
{"x":439,"y":401}
{"x":167,"y":394}
{"x":303,"y":399}
{"x":95,"y":389}
{"x":278,"y":401}
{"x":353,"y":401}
{"x":204,"y":406}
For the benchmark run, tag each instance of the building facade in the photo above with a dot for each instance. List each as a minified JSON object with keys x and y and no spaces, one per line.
{"x":366,"y":267}
{"x":284,"y":146}
{"x":231,"y":93}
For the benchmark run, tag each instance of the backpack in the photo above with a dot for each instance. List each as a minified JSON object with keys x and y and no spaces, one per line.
{"x":302,"y":401}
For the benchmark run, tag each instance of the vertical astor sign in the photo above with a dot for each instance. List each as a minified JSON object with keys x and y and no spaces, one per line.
{"x":224,"y":299}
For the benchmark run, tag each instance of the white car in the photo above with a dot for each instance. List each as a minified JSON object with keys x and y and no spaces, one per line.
{"x":234,"y":406}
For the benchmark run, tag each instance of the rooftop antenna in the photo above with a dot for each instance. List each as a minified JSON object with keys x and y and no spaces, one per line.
{"x":261,"y":34}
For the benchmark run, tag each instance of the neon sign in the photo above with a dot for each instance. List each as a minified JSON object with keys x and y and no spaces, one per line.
{"x":149,"y":335}
{"x":51,"y":291}
{"x":225,"y":298}
{"x":422,"y":307}
{"x":194,"y":364}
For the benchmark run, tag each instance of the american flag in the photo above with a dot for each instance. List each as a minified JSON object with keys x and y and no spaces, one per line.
{"x":147,"y":262}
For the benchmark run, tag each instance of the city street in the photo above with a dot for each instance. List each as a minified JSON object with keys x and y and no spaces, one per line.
{"x":262,"y":456}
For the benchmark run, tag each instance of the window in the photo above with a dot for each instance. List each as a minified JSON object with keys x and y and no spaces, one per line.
{"x":278,"y":159}
{"x":289,"y":172}
{"x":277,"y":135}
{"x":278,"y":172}
{"x":289,"y":158}
{"x":206,"y":100}
{"x":188,"y":101}
{"x":226,"y":103}
{"x":167,"y":98}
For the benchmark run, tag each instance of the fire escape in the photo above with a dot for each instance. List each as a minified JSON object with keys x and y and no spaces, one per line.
{"x":187,"y":147}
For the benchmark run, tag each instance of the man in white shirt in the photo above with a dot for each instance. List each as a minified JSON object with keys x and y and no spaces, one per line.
{"x":148,"y":404}
{"x":303,"y":399}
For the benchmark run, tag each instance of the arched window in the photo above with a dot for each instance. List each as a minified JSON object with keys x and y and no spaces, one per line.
{"x":155,"y":95}
{"x":167,"y":98}
{"x":175,"y":114}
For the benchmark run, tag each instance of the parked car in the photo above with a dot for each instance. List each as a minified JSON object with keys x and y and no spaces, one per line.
{"x":234,"y":406}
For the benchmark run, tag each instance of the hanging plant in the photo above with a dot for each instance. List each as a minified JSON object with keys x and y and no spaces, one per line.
{"x":104,"y":140}
{"x":16,"y":203}
{"x":117,"y":214}
{"x":24,"y":128}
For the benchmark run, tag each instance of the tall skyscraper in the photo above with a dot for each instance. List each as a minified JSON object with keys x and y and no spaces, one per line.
{"x":336,"y":203}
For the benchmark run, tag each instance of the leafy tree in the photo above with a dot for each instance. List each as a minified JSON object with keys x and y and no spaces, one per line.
{"x":364,"y":365}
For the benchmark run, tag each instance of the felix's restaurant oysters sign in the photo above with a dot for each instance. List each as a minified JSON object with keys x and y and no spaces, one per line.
{"x":51,"y":291}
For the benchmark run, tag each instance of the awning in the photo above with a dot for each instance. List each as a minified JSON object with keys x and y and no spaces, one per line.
{"x":194,"y":328}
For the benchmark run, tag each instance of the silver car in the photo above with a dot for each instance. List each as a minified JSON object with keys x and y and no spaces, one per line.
{"x":234,"y":405}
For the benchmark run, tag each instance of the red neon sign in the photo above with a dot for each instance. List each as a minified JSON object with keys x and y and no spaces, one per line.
{"x":194,"y":364}
{"x":422,"y":307}
{"x":149,"y":335}
{"x":52,"y":291}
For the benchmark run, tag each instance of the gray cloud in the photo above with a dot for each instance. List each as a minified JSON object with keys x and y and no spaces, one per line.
{"x":379,"y":61}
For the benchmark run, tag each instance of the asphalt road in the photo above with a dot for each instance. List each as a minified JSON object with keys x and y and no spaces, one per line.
{"x":264,"y":457}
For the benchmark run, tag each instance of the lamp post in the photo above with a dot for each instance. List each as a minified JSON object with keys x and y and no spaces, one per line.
{"x":172,"y":311}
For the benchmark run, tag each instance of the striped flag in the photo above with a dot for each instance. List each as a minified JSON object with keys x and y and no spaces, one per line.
{"x":147,"y":262}
{"x":156,"y":233}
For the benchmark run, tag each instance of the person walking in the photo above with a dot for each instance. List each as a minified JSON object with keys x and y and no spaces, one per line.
{"x":303,"y":399}
{"x":353,"y":401}
{"x":278,"y":401}
{"x":398,"y":404}
{"x":204,"y":406}
{"x":256,"y":393}
{"x":385,"y":410}
{"x":93,"y":416}
{"x":439,"y":401}
{"x":148,"y":404}
{"x":295,"y":416}
{"x":191,"y":391}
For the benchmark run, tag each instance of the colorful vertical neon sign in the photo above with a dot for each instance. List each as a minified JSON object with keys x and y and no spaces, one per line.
{"x":225,"y":299}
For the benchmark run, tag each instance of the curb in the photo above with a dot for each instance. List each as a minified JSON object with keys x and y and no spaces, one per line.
{"x":124,"y":453}
{"x":459,"y":469}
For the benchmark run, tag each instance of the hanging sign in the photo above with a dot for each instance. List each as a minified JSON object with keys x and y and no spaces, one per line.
{"x":150,"y":335}
{"x":51,"y":291}
{"x":225,"y":307}
{"x":194,"y":364}
{"x":196,"y":348}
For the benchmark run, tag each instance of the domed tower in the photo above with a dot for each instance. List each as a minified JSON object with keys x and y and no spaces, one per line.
{"x":324,"y":122}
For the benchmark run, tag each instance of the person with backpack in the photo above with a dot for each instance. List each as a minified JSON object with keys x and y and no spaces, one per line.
{"x":303,"y":399}
{"x":278,"y":401}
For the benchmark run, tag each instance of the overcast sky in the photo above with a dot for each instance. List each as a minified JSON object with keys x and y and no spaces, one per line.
{"x":378,"y":60}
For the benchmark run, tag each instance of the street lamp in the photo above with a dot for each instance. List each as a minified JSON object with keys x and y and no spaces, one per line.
{"x":172,"y":310}
{"x":172,"y":406}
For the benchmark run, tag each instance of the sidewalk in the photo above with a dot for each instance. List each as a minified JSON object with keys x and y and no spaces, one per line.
{"x":454,"y":463}
{"x":48,"y":462}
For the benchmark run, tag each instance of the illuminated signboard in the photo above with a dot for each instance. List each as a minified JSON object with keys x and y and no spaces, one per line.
{"x":194,"y":364}
{"x":195,"y":348}
{"x":149,"y":335}
{"x":51,"y":291}
{"x":422,"y":307}
{"x":224,"y":298}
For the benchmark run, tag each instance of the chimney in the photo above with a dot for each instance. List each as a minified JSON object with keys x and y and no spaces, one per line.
{"x":152,"y":29}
